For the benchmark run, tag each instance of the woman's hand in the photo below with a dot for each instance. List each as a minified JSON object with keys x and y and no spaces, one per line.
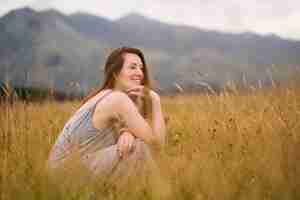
{"x":125,"y":144}
{"x":137,"y":93}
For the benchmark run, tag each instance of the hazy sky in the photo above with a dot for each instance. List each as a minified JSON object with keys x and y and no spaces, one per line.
{"x":281,"y":17}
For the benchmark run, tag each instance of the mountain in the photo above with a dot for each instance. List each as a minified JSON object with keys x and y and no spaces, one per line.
{"x":43,"y":49}
{"x":95,"y":27}
{"x":50,"y":49}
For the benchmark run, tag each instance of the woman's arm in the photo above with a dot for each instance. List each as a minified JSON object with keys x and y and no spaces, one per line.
{"x":123,"y":106}
{"x":158,"y":122}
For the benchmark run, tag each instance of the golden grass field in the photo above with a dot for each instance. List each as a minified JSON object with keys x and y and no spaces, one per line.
{"x":225,"y":147}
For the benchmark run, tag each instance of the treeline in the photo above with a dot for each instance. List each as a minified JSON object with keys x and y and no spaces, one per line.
{"x":11,"y":94}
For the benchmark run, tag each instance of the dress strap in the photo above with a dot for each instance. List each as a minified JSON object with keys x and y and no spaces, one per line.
{"x":102,"y":97}
{"x":93,"y":108}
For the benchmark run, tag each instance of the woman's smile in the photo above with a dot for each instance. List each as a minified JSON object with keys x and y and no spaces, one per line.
{"x":137,"y":79}
{"x":131,"y":73}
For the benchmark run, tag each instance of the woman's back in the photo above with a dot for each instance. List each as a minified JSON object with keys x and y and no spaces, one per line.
{"x":80,"y":132}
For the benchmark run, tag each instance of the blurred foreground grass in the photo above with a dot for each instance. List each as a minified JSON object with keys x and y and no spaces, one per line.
{"x":230,"y":146}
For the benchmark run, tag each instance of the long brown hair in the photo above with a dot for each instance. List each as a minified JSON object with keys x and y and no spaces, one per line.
{"x":113,"y":66}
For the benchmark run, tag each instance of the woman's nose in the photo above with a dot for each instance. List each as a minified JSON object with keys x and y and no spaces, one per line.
{"x":140,"y":72}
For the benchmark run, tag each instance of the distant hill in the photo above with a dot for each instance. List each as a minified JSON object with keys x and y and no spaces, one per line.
{"x":50,"y":49}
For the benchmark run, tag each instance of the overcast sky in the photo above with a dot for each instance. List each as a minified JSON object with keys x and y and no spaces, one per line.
{"x":281,"y":17}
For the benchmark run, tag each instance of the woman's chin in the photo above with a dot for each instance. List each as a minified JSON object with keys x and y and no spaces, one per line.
{"x":133,"y":85}
{"x":128,"y":87}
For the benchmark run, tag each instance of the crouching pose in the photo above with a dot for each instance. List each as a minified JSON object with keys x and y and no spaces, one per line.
{"x":114,"y":131}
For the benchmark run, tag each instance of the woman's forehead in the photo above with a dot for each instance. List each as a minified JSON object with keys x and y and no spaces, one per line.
{"x":132,"y":58}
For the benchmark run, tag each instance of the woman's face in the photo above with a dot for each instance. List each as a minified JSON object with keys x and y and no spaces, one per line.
{"x":131,"y":74}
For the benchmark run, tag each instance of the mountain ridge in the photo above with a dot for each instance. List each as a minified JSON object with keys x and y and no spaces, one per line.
{"x":51,"y":49}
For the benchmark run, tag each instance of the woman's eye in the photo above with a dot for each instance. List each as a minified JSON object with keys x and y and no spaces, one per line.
{"x":135,"y":67}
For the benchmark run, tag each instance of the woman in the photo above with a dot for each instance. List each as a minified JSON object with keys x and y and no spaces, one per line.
{"x":115,"y":129}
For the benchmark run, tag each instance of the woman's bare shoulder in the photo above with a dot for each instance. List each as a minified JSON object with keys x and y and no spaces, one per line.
{"x":117,"y":97}
{"x":108,"y":108}
{"x":112,"y":101}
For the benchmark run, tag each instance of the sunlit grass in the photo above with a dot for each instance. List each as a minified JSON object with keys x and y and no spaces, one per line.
{"x":231,"y":146}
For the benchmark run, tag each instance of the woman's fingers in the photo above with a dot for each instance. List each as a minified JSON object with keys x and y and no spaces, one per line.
{"x":125,"y":144}
{"x":129,"y":143}
{"x":136,"y":94}
{"x":137,"y":88}
{"x":124,"y":148}
{"x":120,"y":146}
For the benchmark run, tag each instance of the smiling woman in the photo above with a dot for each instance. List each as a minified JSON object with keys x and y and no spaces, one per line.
{"x":116,"y":129}
{"x":131,"y":73}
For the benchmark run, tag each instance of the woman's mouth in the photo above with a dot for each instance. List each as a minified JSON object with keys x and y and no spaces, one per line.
{"x":137,"y":80}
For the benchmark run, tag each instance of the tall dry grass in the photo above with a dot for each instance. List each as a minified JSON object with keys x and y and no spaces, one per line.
{"x":230,"y":146}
